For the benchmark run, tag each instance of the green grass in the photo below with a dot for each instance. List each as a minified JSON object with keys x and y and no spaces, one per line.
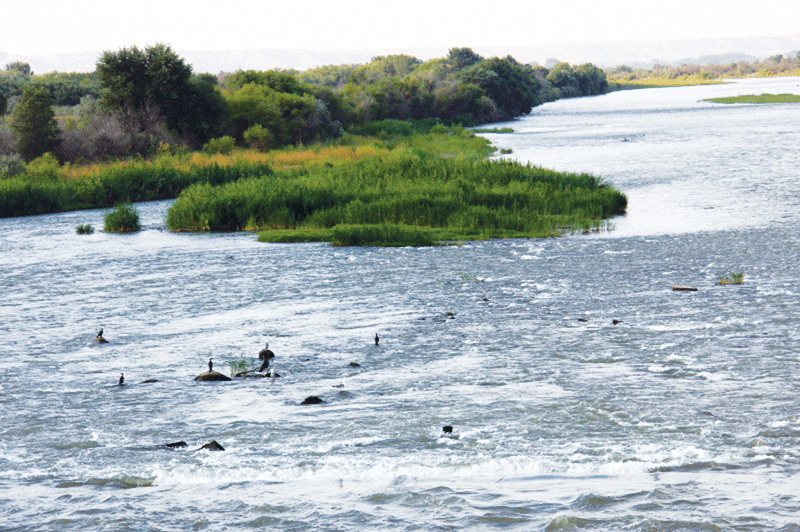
{"x":761,"y":98}
{"x":84,"y":229}
{"x":733,"y":278}
{"x":494,"y":130}
{"x":31,"y":194}
{"x":240,"y":365}
{"x":431,"y":189}
{"x":123,"y":218}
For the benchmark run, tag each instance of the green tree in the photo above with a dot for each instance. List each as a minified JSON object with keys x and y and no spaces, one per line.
{"x":23,"y":69}
{"x":34,"y":122}
{"x":146,"y":86}
{"x":563,"y":78}
{"x":591,"y":80}
{"x":461,"y":58}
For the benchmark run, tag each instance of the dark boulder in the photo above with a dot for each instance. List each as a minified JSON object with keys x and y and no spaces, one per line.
{"x":213,"y":446}
{"x":312,"y":400}
{"x":447,"y":429}
{"x":209,"y":376}
{"x":176,"y":444}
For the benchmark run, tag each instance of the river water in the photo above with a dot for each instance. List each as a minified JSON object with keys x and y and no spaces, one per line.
{"x":682,"y":415}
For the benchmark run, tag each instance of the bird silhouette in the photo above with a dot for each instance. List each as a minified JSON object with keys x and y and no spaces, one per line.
{"x":210,"y":365}
{"x":377,"y":339}
{"x":121,"y":378}
{"x":100,"y":334}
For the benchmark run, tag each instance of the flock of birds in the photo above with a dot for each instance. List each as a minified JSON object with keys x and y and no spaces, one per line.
{"x":265,"y":355}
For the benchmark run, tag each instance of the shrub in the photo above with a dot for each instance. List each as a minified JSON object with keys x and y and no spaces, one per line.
{"x":85,"y":229}
{"x":257,"y":137}
{"x":11,"y":165}
{"x":44,"y":166}
{"x":123,"y":218}
{"x":223,"y":145}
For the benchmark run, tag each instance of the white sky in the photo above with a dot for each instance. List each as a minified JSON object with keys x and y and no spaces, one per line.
{"x":43,"y":27}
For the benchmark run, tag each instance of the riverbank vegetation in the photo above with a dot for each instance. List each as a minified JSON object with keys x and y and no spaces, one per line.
{"x":761,"y":98}
{"x":422,"y":189}
{"x":666,"y":76}
{"x":124,"y":218}
{"x":138,"y":99}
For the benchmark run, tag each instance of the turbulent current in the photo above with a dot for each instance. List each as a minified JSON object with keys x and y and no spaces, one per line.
{"x":584,"y":393}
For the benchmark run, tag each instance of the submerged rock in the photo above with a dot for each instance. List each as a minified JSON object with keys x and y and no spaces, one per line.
{"x":100,"y":340}
{"x":149,"y":381}
{"x":312,"y":400}
{"x":213,"y":445}
{"x":176,"y":444}
{"x":447,"y":429}
{"x":212,"y":376}
{"x":684,"y":288}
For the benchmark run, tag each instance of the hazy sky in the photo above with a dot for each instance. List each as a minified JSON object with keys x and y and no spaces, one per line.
{"x":32,"y":27}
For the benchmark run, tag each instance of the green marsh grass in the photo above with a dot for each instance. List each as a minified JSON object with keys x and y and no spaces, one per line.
{"x":124,"y":218}
{"x":732,"y":278}
{"x":761,"y":98}
{"x":493,"y":130}
{"x":84,"y":229}
{"x":244,"y":364}
{"x":430,"y":189}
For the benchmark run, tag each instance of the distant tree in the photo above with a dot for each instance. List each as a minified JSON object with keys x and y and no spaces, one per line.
{"x":460,"y":58}
{"x":207,"y":110}
{"x":591,"y":80}
{"x":146,"y":86}
{"x":34,"y":122}
{"x":153,"y":85}
{"x":23,"y":69}
{"x":3,"y":104}
{"x":563,"y":77}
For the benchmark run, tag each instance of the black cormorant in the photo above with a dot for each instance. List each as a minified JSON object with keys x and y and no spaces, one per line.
{"x":100,"y":334}
{"x":210,"y":365}
{"x":376,"y":339}
{"x":121,"y":377}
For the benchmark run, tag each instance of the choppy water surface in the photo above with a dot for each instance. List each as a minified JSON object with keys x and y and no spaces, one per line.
{"x":684,"y":415}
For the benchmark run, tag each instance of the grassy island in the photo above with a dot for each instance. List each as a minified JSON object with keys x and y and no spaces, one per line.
{"x":761,"y":98}
{"x":414,"y":190}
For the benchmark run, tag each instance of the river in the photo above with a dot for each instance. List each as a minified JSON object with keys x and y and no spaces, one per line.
{"x":584,"y":393}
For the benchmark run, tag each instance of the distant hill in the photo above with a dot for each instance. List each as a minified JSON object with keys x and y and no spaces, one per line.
{"x":602,"y":54}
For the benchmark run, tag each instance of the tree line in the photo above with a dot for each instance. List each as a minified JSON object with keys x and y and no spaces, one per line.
{"x":139,"y":99}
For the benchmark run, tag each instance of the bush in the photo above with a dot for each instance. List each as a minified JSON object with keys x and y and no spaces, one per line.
{"x":257,"y":137}
{"x":223,"y":145}
{"x":44,"y":166}
{"x":11,"y":165}
{"x":123,"y":219}
{"x":85,"y":229}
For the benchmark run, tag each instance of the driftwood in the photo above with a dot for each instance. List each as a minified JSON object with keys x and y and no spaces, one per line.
{"x":684,"y":288}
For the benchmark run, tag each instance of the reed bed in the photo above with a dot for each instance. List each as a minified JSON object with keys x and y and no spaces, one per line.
{"x":105,"y":185}
{"x":407,"y":195}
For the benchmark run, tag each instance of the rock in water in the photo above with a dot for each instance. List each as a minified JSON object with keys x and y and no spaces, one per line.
{"x":176,"y":444}
{"x":213,"y":446}
{"x":312,"y":400}
{"x":447,"y":429}
{"x":212,"y":376}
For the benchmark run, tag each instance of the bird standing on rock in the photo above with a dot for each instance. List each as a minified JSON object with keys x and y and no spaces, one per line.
{"x":121,"y":378}
{"x":376,"y":339}
{"x":210,"y":366}
{"x":99,"y":338}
